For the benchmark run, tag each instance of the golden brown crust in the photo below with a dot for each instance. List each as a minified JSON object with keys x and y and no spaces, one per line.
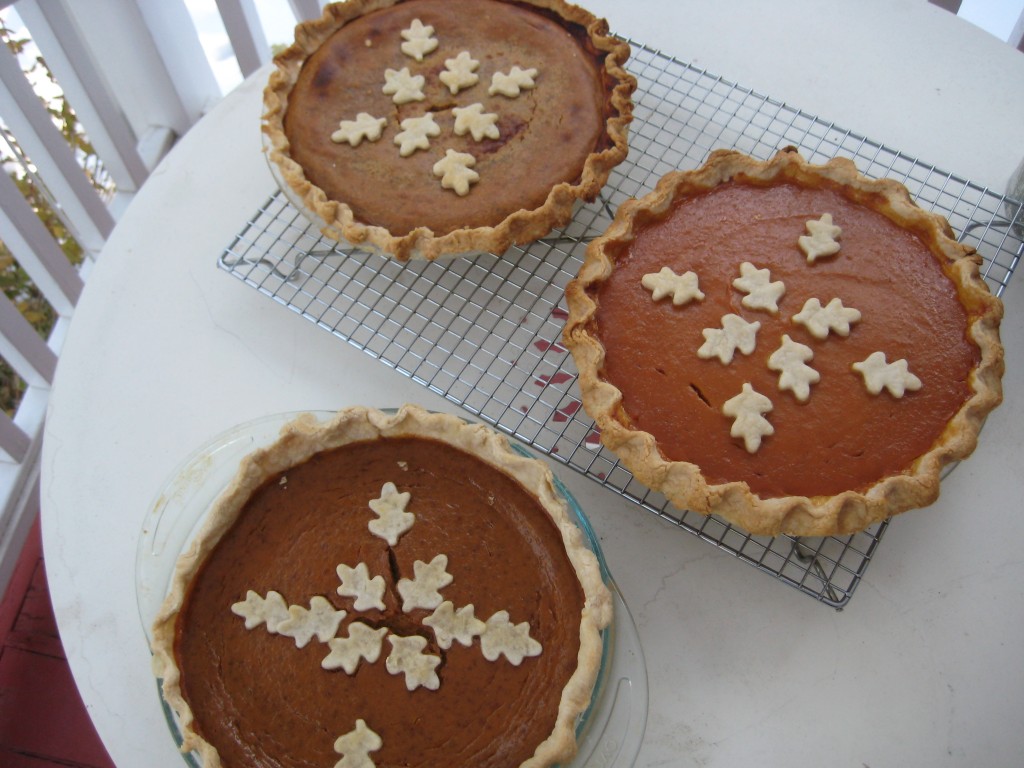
{"x":682,"y":482}
{"x":337,"y":218}
{"x":304,"y":437}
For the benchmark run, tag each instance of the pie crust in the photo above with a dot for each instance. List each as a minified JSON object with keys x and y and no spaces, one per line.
{"x":511,"y":222}
{"x":684,"y":483}
{"x":304,"y":438}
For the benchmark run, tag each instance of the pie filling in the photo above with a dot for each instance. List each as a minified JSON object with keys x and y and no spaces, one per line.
{"x":819,"y":430}
{"x":318,"y":535}
{"x":514,"y":94}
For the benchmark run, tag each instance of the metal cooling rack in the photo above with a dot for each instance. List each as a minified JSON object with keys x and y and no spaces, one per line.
{"x":484,"y":332}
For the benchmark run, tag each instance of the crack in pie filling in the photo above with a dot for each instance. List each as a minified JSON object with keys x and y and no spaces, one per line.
{"x":793,"y":347}
{"x":430,"y":128}
{"x":384,"y":589}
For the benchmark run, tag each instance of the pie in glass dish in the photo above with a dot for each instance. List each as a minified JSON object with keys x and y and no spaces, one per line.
{"x":384,"y":588}
{"x":795,"y":348}
{"x":429,"y":128}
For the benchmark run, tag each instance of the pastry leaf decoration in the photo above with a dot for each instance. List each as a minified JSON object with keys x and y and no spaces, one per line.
{"x":735,"y":334}
{"x":460,"y":72}
{"x":402,"y":86}
{"x":392,"y":519}
{"x":365,"y":126}
{"x":321,"y":620}
{"x":822,"y":238}
{"x":512,"y":83}
{"x":355,"y":746}
{"x":270,"y":610}
{"x":408,"y":655}
{"x":833,"y":317}
{"x":503,"y":638}
{"x":416,"y":134}
{"x":879,"y":374}
{"x":419,"y":40}
{"x":761,"y":292}
{"x":407,"y":658}
{"x":747,"y":410}
{"x":356,"y":582}
{"x":682,"y":288}
{"x":474,"y":121}
{"x":455,"y":169}
{"x":451,"y":625}
{"x":456,"y":172}
{"x":422,"y":591}
{"x":363,"y":642}
{"x":790,"y":360}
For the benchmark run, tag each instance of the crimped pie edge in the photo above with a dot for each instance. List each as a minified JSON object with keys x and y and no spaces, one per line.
{"x":520,"y":227}
{"x":682,"y":482}
{"x":305,"y":436}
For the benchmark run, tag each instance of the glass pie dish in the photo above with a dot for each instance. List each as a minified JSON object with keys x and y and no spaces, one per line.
{"x":609,"y":732}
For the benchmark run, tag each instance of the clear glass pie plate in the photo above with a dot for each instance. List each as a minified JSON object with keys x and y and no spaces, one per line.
{"x":609,"y":733}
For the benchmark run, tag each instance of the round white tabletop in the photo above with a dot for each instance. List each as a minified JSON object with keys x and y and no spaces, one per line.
{"x":921,"y":667}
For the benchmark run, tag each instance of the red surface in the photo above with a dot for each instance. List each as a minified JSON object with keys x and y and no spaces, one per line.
{"x":43,"y":722}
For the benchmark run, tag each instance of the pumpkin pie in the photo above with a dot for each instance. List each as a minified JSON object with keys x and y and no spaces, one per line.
{"x":384,"y":589}
{"x":793,"y":347}
{"x":431,"y":128}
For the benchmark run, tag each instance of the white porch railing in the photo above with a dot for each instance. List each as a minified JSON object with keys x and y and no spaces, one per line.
{"x":137,"y":75}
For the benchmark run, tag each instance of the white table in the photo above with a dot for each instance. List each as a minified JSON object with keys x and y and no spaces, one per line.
{"x":921,"y":668}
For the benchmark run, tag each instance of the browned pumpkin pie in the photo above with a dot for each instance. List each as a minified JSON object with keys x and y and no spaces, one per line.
{"x":400,"y":588}
{"x":793,"y":347}
{"x":436,"y":127}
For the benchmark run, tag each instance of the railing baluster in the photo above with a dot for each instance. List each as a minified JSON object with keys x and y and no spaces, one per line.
{"x":246,"y":34}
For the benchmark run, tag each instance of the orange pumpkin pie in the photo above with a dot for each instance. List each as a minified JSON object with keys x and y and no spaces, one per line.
{"x":436,"y":127}
{"x":793,"y":347}
{"x":399,"y":588}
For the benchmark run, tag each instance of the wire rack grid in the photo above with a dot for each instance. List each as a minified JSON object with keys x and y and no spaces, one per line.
{"x":484,"y":332}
